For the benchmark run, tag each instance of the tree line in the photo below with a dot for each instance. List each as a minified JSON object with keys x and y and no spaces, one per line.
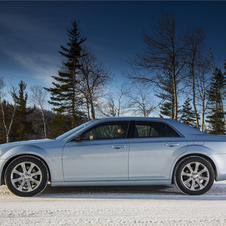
{"x":172,"y":66}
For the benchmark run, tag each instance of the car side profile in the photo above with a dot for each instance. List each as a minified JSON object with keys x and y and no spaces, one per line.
{"x":117,"y":151}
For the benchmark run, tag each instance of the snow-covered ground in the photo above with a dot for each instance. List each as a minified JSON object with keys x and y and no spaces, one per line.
{"x":146,"y":205}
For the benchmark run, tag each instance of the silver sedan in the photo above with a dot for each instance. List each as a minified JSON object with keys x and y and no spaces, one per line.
{"x":117,"y":151}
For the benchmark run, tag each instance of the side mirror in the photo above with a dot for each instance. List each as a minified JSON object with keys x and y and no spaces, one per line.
{"x":78,"y":138}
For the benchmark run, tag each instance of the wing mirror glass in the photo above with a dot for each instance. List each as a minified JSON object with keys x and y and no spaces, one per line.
{"x":78,"y":138}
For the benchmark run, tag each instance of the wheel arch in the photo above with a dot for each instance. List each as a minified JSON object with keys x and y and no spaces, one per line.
{"x":16,"y":156}
{"x":194,"y":155}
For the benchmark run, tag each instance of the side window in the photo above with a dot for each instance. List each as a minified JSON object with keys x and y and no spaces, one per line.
{"x":145,"y":131}
{"x":153,"y":129}
{"x":113,"y":130}
{"x":171,"y":132}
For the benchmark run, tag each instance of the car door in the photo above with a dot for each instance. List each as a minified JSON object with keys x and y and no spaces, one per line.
{"x":101,"y":155}
{"x":153,"y":150}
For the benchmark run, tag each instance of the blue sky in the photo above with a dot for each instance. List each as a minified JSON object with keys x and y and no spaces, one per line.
{"x":31,"y":32}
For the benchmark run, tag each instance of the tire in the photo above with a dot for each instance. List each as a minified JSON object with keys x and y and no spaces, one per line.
{"x":194,"y":175}
{"x":26,"y":176}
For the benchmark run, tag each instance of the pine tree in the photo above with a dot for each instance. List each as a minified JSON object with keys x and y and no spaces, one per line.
{"x":21,"y":128}
{"x":58,"y":126}
{"x":64,"y":95}
{"x":216,"y":96}
{"x":166,"y":110}
{"x":188,"y":115}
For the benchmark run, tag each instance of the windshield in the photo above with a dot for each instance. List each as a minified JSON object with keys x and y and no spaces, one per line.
{"x":70,"y":132}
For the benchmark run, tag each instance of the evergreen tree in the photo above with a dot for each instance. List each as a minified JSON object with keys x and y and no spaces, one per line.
{"x":188,"y":115}
{"x":216,"y":96}
{"x":64,"y":95}
{"x":59,"y":125}
{"x":21,"y":127}
{"x":166,"y":110}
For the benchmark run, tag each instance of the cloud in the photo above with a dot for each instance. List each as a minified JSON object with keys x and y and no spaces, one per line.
{"x":41,"y":65}
{"x":31,"y":44}
{"x":24,"y":27}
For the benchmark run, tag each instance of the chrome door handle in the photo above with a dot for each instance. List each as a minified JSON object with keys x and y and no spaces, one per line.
{"x":172,"y":145}
{"x":118,"y":146}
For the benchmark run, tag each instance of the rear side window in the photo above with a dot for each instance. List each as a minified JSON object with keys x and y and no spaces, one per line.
{"x":153,"y":129}
{"x":171,"y":132}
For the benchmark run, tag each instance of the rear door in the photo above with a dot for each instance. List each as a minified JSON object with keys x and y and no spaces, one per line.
{"x":153,"y":150}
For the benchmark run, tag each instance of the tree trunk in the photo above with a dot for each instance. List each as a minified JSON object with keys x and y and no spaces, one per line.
{"x":87,"y":98}
{"x":193,"y":94}
{"x":92,"y":110}
{"x":87,"y":109}
{"x":44,"y":123}
{"x":203,"y":113}
{"x":174,"y":92}
{"x":73,"y":99}
{"x":7,"y":130}
{"x":216,"y":118}
{"x":91,"y":106}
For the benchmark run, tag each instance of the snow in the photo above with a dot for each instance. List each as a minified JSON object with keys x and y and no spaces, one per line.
{"x":144,"y":205}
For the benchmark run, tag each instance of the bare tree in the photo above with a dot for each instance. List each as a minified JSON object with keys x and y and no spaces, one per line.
{"x":121,"y":92}
{"x":193,"y":39}
{"x":162,"y":58}
{"x":108,"y":106}
{"x":12,"y":92}
{"x":92,"y":79}
{"x":39,"y":98}
{"x":202,"y":85}
{"x":211,"y":63}
{"x":113,"y":105}
{"x":140,"y":101}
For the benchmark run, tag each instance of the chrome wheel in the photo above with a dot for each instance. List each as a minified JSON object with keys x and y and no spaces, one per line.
{"x":26,"y":177}
{"x":195,"y":176}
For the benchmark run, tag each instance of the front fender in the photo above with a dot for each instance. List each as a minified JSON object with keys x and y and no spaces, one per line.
{"x":22,"y":150}
{"x":52,"y":158}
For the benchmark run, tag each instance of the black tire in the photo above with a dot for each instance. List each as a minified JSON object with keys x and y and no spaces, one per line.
{"x":26,"y":176}
{"x":194,"y":175}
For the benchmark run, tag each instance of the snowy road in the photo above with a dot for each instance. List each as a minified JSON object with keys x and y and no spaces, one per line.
{"x":150,"y":205}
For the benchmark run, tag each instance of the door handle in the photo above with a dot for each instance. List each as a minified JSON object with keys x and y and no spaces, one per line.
{"x":118,"y":146}
{"x":172,"y":145}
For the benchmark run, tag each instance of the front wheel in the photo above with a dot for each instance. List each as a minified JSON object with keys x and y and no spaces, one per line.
{"x":194,"y":175}
{"x":26,"y":176}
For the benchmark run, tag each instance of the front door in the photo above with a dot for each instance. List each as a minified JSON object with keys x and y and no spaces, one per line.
{"x":101,"y":155}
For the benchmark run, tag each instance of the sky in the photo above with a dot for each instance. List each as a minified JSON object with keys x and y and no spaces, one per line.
{"x":31,"y":33}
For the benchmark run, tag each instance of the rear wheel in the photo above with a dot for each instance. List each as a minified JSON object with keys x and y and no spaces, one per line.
{"x":194,"y":175}
{"x":26,"y":176}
